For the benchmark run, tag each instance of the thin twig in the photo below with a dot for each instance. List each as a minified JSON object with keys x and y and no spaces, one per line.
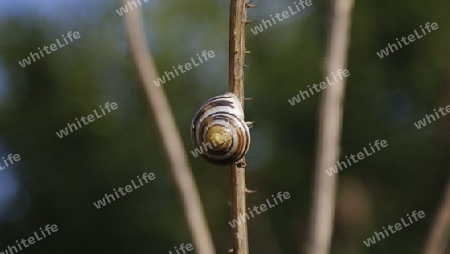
{"x":170,"y":135}
{"x":439,"y":237}
{"x":330,"y":124}
{"x":238,"y":17}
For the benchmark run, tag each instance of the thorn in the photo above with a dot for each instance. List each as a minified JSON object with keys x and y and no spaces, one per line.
{"x":231,"y":251}
{"x":248,"y":99}
{"x":250,"y":123}
{"x":249,"y":21}
{"x":250,"y":5}
{"x":246,"y":66}
{"x":247,"y":52}
{"x":250,"y":191}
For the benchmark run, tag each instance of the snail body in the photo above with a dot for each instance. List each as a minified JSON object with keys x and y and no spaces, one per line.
{"x":219,"y":125}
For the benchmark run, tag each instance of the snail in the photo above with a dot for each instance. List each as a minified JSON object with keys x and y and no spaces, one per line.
{"x":219,"y":125}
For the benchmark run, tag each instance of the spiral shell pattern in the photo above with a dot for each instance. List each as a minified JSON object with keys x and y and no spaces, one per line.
{"x":219,"y":129}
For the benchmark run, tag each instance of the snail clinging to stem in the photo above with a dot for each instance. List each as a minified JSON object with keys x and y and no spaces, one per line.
{"x":219,"y":125}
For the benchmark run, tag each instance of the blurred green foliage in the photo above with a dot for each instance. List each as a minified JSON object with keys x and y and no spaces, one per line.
{"x":59,"y":179}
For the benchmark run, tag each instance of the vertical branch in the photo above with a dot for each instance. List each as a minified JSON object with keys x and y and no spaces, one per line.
{"x":330,"y":124}
{"x":170,"y":135}
{"x":440,"y":232}
{"x":238,"y":17}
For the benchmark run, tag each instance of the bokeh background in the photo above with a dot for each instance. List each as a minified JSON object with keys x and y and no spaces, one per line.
{"x":58,"y":180}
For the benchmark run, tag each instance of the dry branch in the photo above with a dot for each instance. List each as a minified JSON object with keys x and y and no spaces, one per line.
{"x":170,"y":135}
{"x":238,"y":17}
{"x":439,"y":237}
{"x":330,"y":124}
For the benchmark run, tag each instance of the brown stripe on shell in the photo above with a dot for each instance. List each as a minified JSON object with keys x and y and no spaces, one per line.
{"x":221,"y":118}
{"x":241,"y":132}
{"x":209,"y":105}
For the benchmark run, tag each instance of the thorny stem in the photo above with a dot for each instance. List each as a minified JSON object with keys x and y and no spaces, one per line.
{"x":238,"y":20}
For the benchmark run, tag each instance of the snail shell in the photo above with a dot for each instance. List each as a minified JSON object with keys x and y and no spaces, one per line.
{"x":219,"y":127}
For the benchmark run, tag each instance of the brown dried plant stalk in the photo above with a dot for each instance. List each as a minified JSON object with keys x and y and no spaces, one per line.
{"x":330,"y":124}
{"x":238,"y":20}
{"x":439,"y":238}
{"x":170,"y":135}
